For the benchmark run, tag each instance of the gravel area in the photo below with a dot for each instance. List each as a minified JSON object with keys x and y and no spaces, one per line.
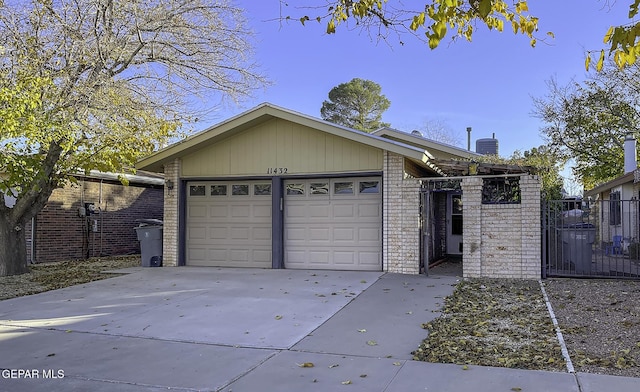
{"x":600,"y":322}
{"x":506,"y":323}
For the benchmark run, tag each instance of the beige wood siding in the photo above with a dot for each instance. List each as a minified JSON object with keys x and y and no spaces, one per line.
{"x":283,"y":145}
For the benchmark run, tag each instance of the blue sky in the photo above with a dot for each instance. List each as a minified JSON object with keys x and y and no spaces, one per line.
{"x":486,"y":84}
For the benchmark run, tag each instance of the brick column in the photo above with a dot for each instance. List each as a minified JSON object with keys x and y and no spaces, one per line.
{"x":171,"y":212}
{"x":531,"y":228}
{"x":472,"y":227}
{"x":401,"y":227}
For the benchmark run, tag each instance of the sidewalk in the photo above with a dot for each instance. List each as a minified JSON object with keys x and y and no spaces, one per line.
{"x":215,"y":329}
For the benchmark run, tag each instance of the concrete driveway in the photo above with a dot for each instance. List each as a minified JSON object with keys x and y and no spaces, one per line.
{"x":216,"y":329}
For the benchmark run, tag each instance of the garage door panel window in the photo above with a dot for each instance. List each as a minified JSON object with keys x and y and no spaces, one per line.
{"x":369,"y":187}
{"x":343,"y":188}
{"x":218,"y":190}
{"x":262,"y":190}
{"x":197,"y":190}
{"x":295,"y":189}
{"x":319,"y":188}
{"x":240,"y":190}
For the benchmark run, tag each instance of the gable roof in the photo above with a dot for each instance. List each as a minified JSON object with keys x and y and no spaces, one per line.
{"x":266,"y":112}
{"x":437,"y":149}
{"x":624,"y":179}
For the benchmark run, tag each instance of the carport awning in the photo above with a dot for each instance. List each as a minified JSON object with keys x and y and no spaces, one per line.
{"x":464,"y":167}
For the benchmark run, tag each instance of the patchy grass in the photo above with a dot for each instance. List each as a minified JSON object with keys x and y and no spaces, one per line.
{"x":492,"y":322}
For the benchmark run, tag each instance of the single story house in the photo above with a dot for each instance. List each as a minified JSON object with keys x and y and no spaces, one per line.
{"x":614,"y":204}
{"x":94,"y":217}
{"x":273,"y":188}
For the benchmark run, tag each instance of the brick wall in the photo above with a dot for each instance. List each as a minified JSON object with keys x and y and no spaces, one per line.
{"x":171,"y":212}
{"x":401,"y":206}
{"x":61,"y":234}
{"x":502,"y":240}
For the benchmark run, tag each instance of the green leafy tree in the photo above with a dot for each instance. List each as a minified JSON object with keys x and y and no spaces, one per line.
{"x":430,"y":22}
{"x":588,"y":122}
{"x":546,"y":161}
{"x":358,"y":104}
{"x":97,"y":84}
{"x":433,"y":21}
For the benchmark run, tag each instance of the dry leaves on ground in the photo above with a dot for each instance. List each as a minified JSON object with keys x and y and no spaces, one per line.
{"x":494,"y":322}
{"x":51,"y":276}
{"x":506,"y":323}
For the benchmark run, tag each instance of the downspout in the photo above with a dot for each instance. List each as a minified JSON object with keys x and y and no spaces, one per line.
{"x":101,"y":218}
{"x":33,"y":240}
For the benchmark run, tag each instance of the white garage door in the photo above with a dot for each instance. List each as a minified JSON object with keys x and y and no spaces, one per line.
{"x":229,"y":224}
{"x":333,"y":224}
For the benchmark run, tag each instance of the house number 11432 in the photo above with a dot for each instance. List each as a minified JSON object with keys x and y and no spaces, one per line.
{"x":277,"y":170}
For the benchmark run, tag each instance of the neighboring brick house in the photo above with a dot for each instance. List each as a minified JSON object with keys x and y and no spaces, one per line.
{"x":272,"y":188}
{"x":65,"y":230}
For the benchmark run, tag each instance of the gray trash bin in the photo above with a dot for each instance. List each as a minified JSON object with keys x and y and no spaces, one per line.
{"x":150,"y":236}
{"x":577,"y":246}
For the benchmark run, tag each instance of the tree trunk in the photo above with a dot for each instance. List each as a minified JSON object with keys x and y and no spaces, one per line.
{"x":13,"y":248}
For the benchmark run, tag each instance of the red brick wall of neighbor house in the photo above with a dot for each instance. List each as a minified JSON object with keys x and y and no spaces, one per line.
{"x":61,"y":234}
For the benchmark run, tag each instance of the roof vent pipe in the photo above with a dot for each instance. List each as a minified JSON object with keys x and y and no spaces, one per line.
{"x":468,"y":138}
{"x":630,"y":162}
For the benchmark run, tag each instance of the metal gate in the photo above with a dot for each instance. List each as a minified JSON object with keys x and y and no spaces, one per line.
{"x":433,"y":219}
{"x":597,"y":239}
